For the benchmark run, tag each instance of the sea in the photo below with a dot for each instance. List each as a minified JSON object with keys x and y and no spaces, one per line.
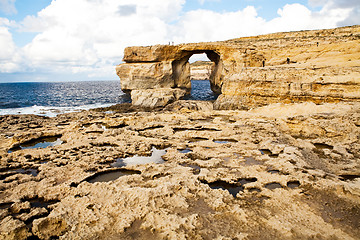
{"x":53,"y":98}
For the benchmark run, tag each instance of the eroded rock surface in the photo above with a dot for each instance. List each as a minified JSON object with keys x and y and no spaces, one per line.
{"x":318,"y":66}
{"x":201,"y":70}
{"x":275,"y":172}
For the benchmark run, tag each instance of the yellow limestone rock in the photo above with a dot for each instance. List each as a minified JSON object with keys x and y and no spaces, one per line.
{"x":319,"y":66}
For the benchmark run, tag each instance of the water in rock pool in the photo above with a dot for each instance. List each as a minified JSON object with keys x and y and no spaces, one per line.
{"x":156,"y":157}
{"x":39,"y":143}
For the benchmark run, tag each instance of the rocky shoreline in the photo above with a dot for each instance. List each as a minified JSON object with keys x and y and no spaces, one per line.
{"x":283,"y":171}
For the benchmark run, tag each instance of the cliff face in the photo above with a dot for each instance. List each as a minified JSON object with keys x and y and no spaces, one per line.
{"x":319,"y":66}
{"x":201,"y":70}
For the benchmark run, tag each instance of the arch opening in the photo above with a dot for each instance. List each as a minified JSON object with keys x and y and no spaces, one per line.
{"x":206,"y":88}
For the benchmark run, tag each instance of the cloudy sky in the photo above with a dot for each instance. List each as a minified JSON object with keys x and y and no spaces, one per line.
{"x":73,"y":40}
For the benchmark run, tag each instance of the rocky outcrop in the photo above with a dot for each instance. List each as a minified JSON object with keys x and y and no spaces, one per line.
{"x":319,"y":66}
{"x":153,"y":98}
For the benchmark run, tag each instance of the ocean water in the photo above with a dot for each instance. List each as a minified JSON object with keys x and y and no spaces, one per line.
{"x":50,"y":99}
{"x":200,"y":90}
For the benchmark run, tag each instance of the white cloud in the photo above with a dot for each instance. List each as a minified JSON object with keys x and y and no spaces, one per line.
{"x":335,"y":3}
{"x":9,"y":56}
{"x":89,"y":36}
{"x":92,"y":34}
{"x":205,"y":25}
{"x":203,"y":1}
{"x":296,"y":17}
{"x":7,"y":6}
{"x":350,"y":7}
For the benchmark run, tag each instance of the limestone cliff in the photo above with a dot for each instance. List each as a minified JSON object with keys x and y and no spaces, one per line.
{"x":318,"y":65}
{"x":201,"y":70}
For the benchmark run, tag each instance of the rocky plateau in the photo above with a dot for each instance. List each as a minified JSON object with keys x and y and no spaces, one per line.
{"x":275,"y":172}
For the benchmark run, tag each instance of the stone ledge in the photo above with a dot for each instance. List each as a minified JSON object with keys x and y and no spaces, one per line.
{"x":156,"y":97}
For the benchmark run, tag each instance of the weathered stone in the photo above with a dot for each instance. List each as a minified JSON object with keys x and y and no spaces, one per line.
{"x":319,"y":66}
{"x":156,"y":97}
{"x":45,"y":228}
{"x":36,"y":212}
{"x":145,"y":75}
{"x":19,"y":207}
{"x":156,"y":53}
{"x":11,"y":229}
{"x":201,"y":70}
{"x":190,"y":105}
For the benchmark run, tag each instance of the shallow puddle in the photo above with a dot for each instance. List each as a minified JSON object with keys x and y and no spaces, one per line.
{"x":293,"y":184}
{"x":268,"y":152}
{"x":224,"y":141}
{"x":150,"y":128}
{"x":254,"y":190}
{"x":349,"y":177}
{"x":30,"y":171}
{"x":156,"y":157}
{"x":116,"y":126}
{"x":197,"y":139}
{"x":110,"y":175}
{"x":186,"y":150}
{"x":244,"y":181}
{"x":273,"y":171}
{"x":251,"y":161}
{"x":199,"y":128}
{"x":39,"y":143}
{"x":273,"y":185}
{"x":9,"y":172}
{"x":233,"y":189}
{"x":203,"y":120}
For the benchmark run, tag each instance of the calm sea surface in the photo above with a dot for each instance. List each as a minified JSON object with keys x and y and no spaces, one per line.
{"x":51,"y":99}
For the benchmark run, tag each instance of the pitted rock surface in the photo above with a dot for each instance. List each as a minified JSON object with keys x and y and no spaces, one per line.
{"x":274,"y":172}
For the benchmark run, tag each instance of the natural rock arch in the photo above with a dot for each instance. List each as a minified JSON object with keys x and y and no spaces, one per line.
{"x":181,"y":70}
{"x":157,"y":75}
{"x":250,"y":71}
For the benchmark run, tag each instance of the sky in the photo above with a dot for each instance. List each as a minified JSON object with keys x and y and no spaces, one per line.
{"x":78,"y":40}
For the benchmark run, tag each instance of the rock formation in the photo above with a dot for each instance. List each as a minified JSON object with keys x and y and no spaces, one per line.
{"x":319,"y":66}
{"x":201,"y":70}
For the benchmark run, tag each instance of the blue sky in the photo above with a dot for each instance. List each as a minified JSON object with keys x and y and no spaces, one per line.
{"x":74,"y":40}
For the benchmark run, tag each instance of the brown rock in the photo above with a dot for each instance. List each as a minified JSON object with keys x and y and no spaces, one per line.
{"x":48,"y":227}
{"x":156,"y":97}
{"x":145,"y":75}
{"x":11,"y":228}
